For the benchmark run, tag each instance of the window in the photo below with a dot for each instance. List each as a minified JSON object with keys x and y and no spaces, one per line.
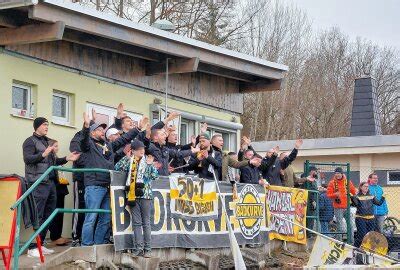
{"x":187,"y":130}
{"x":155,"y":117}
{"x":107,"y":114}
{"x":184,"y":133}
{"x":22,"y":100}
{"x":229,"y":137}
{"x":61,"y":107}
{"x":393,"y":177}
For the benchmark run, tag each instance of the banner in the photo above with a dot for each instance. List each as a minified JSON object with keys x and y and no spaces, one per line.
{"x":246,"y":215}
{"x":193,"y":199}
{"x":290,"y":204}
{"x":328,"y":252}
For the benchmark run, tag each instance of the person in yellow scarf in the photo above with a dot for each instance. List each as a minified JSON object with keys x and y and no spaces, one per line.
{"x":140,"y":172}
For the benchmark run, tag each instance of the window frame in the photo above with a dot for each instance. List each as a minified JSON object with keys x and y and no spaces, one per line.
{"x":186,"y":128}
{"x":217,"y":130}
{"x":16,"y":111}
{"x":62,"y":120}
{"x":392,"y":183}
{"x":110,"y":111}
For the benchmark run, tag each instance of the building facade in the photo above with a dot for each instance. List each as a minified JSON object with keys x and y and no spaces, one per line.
{"x":59,"y":59}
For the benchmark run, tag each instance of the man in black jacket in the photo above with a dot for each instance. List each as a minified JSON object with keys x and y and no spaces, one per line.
{"x":244,"y":146}
{"x":37,"y":157}
{"x":78,"y":191}
{"x":251,"y":174}
{"x":207,"y":161}
{"x":172,"y":141}
{"x":158,"y":149}
{"x":272,"y":173}
{"x":97,"y":153}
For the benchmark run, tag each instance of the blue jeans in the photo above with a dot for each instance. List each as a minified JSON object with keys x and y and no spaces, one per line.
{"x":96,"y":197}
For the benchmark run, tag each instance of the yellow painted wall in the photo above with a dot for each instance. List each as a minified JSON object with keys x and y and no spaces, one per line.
{"x":14,"y":130}
{"x":392,"y":198}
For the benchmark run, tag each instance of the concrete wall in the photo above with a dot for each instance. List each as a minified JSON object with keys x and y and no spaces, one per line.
{"x":14,"y":130}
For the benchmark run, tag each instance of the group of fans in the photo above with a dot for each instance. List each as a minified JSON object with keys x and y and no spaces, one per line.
{"x":368,"y":199}
{"x":146,"y":152}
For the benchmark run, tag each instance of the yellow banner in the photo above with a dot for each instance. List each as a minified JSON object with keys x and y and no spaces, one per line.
{"x":289,"y":204}
{"x":193,"y":199}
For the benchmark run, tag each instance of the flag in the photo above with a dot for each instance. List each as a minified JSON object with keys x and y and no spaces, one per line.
{"x":236,"y":253}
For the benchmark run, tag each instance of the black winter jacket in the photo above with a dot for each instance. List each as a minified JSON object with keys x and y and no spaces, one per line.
{"x":100,"y":154}
{"x":272,"y":172}
{"x":202,"y":167}
{"x":365,"y":204}
{"x":75,"y":146}
{"x":250,"y":174}
{"x":35,"y":165}
{"x":178,"y":162}
{"x":163,"y":154}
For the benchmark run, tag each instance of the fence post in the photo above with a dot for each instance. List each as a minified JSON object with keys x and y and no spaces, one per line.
{"x":17,"y":237}
{"x":348,"y":215}
{"x":306,"y":167}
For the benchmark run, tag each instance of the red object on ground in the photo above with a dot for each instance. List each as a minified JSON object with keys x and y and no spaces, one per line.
{"x":7,"y":250}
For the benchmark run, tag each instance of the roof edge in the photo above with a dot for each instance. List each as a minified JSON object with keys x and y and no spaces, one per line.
{"x":163,"y":34}
{"x":331,"y":143}
{"x":17,"y":3}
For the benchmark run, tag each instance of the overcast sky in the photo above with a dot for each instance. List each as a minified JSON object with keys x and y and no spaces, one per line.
{"x":376,"y":20}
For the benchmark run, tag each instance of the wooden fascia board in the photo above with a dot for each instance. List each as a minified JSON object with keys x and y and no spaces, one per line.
{"x":33,"y":33}
{"x":106,"y":29}
{"x":175,"y":66}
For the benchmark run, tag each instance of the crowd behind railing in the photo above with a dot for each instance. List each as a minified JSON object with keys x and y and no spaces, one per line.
{"x":145,"y":152}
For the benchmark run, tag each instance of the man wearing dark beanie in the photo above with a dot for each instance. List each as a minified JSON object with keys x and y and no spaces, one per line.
{"x":39,"y":121}
{"x":38,"y":157}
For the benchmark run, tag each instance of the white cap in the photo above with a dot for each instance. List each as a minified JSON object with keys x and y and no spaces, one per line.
{"x":111,"y":131}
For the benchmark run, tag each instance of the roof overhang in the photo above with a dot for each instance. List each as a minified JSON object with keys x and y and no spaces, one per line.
{"x":379,"y":144}
{"x":92,"y":28}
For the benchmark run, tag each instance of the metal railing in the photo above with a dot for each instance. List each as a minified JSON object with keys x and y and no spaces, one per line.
{"x":329,"y":166}
{"x":316,"y":216}
{"x":18,"y":205}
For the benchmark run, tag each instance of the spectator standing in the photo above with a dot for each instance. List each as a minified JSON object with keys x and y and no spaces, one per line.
{"x":251,"y":174}
{"x":337,"y":191}
{"x":273,"y":173}
{"x":207,"y":160}
{"x":98,"y":153}
{"x":172,"y":143}
{"x":288,"y":177}
{"x":140,"y":173}
{"x":380,"y":211}
{"x":56,"y":226}
{"x":78,"y":191}
{"x":310,"y":183}
{"x":325,"y":210}
{"x":365,"y":219}
{"x":37,"y":154}
{"x":245,"y":145}
{"x":158,"y":149}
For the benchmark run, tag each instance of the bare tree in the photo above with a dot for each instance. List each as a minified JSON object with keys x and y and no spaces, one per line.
{"x":316,"y":99}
